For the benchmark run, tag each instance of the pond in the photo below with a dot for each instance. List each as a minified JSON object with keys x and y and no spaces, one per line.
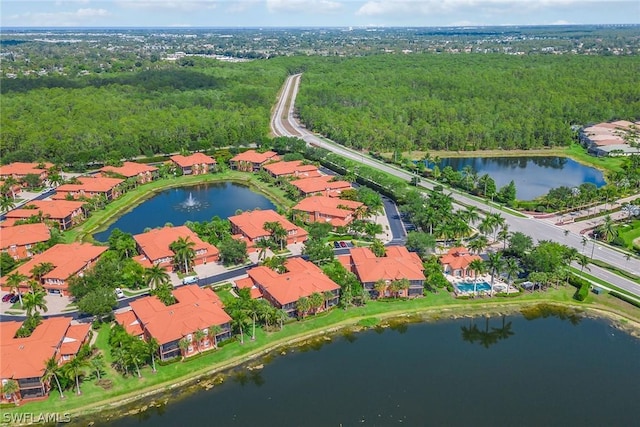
{"x":193,"y":203}
{"x":498,"y":371}
{"x":533,"y":176}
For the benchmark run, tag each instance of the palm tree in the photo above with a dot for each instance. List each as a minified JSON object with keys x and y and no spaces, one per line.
{"x":199,"y":335}
{"x":136,"y":354}
{"x":155,"y":276}
{"x":184,"y":344}
{"x":97,"y":363}
{"x":303,"y":305}
{"x":583,"y":260}
{"x":51,"y":370}
{"x":608,"y":229}
{"x":281,"y":317}
{"x":328,"y":296}
{"x":11,"y":387}
{"x":512,"y":268}
{"x":495,"y":263}
{"x":184,"y":253}
{"x":380,"y":286}
{"x":74,"y":369}
{"x":316,"y":301}
{"x":478,"y":267}
{"x":262,"y":245}
{"x":213,"y":332}
{"x":152,"y":349}
{"x":34,"y":301}
{"x":6,"y":203}
{"x":399,"y":285}
{"x":478,"y":244}
{"x":275,"y":263}
{"x":13,"y":282}
{"x":504,"y":235}
{"x":278,"y":232}
{"x":41,"y":269}
{"x":239,"y":320}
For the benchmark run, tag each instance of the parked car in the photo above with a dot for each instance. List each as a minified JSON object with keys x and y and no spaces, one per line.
{"x":189,"y":280}
{"x":7,"y":297}
{"x":343,"y":244}
{"x":336,"y":244}
{"x":119,"y":293}
{"x":14,"y":299}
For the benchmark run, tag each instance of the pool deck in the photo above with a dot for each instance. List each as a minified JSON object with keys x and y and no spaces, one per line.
{"x":498,"y":285}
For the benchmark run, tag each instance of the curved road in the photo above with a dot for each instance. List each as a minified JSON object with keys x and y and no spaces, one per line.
{"x":283,"y":123}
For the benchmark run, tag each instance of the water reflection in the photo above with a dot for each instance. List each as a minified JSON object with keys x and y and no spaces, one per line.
{"x":249,"y":376}
{"x":547,"y":310}
{"x":486,"y":338}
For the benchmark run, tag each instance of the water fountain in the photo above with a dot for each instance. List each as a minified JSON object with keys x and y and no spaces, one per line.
{"x":191,"y":204}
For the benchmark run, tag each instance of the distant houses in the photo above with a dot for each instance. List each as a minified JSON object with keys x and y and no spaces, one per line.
{"x":324,"y":186}
{"x":194,"y":164}
{"x":67,"y":260}
{"x":378,"y":273}
{"x":295,"y":169}
{"x":249,"y":226}
{"x":89,"y":187}
{"x":332,"y":210}
{"x":196,"y":309}
{"x":283,"y":290}
{"x":20,"y":170}
{"x":23,"y":359}
{"x":20,"y":241}
{"x":154,"y":247}
{"x":142,"y":173}
{"x":64,"y":213}
{"x":609,"y":139}
{"x":252,"y":161}
{"x":456,"y":262}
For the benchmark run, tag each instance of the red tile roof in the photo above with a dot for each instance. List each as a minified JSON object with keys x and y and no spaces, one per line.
{"x":196,"y":308}
{"x":252,"y":156}
{"x":252,"y":223}
{"x":129,"y":169}
{"x":328,"y":206}
{"x":130,"y":322}
{"x":321,"y":185}
{"x":26,"y":357}
{"x":73,"y":339}
{"x":96,"y":184}
{"x":21,"y":169}
{"x":67,"y":259}
{"x":193,"y":159}
{"x":155,"y":243}
{"x":21,"y":235}
{"x":53,"y":209}
{"x":246,"y":282}
{"x":295,"y":168}
{"x":302,"y":279}
{"x":458,"y":258}
{"x":398,"y":263}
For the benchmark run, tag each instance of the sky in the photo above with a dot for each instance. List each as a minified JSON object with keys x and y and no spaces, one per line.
{"x":315,"y":13}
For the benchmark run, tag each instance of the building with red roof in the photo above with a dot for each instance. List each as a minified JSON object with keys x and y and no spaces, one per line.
{"x":24,"y":359}
{"x":195,"y":164}
{"x":90,"y":186}
{"x":302,"y":279}
{"x":68,"y":260}
{"x":252,"y":161}
{"x":153,"y":246}
{"x":335,"y":211}
{"x":249,"y":226}
{"x":196,"y":309}
{"x":65,"y":213}
{"x":142,"y":173}
{"x":456,"y":261}
{"x":19,"y":240}
{"x":19,"y":170}
{"x":10,"y":190}
{"x":323,"y":185}
{"x":610,"y":139}
{"x":398,"y":263}
{"x":295,"y":168}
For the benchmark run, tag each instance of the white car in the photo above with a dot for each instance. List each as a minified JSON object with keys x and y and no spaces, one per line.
{"x":119,"y":293}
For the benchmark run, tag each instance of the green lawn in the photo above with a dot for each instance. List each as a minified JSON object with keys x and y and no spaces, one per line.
{"x":629,"y":232}
{"x":435,"y":305}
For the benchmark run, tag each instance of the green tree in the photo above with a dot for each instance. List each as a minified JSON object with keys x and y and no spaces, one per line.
{"x":39,"y":270}
{"x":262,"y":245}
{"x":51,"y":370}
{"x":316,"y":302}
{"x":422,"y":243}
{"x":199,"y":336}
{"x":34,"y":301}
{"x":495,"y":264}
{"x":318,"y":251}
{"x":183,"y":253}
{"x":378,"y":248}
{"x":10,"y":387}
{"x":155,"y":276}
{"x":74,"y":369}
{"x":98,"y":302}
{"x":233,"y":251}
{"x":14,"y":280}
{"x":152,"y":350}
{"x":213,"y":331}
{"x":303,"y":305}
{"x":164,"y":292}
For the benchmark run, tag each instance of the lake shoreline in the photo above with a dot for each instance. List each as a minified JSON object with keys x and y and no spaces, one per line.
{"x":144,"y":399}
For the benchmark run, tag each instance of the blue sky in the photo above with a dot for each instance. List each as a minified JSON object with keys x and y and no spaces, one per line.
{"x":293,"y":13}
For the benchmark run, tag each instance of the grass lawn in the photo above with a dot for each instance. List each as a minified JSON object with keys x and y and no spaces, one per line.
{"x":435,"y":305}
{"x":629,"y":232}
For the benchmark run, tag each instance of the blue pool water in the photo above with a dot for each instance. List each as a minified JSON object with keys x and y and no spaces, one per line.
{"x":469,"y":287}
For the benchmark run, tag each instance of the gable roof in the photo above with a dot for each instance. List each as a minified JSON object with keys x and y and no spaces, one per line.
{"x":26,"y":234}
{"x":74,"y":338}
{"x":295,"y":167}
{"x":155,"y":243}
{"x":97,"y":184}
{"x":193,"y":159}
{"x":53,"y":209}
{"x":252,"y":223}
{"x":253,"y":156}
{"x":398,"y":263}
{"x":331,"y":206}
{"x":458,"y":257}
{"x":130,"y":322}
{"x":196,"y":308}
{"x":302,"y":279}
{"x":320,"y":184}
{"x":21,"y":169}
{"x":67,"y":259}
{"x":129,"y":169}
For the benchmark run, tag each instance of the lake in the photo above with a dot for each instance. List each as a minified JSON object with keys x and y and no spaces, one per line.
{"x":533,"y":176}
{"x":498,"y":371}
{"x":174,"y":206}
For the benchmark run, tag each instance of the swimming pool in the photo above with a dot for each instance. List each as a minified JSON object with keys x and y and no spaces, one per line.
{"x":469,"y":287}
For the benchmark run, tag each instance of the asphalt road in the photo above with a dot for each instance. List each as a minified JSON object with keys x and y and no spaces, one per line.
{"x":539,"y":230}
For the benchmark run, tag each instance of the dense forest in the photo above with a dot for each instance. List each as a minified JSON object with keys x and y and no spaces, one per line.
{"x":193,"y":105}
{"x":465,"y":102}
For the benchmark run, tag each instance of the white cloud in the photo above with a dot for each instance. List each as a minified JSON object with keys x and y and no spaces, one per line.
{"x":242,"y":5}
{"x":57,"y":19}
{"x":308,"y":6}
{"x":177,"y":5}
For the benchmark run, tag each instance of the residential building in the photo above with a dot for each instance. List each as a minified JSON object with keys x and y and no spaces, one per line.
{"x":609,"y":139}
{"x":10,"y":190}
{"x":252,"y":161}
{"x":153,"y":247}
{"x":65,"y":213}
{"x":335,"y":211}
{"x":249,"y":226}
{"x":19,"y":240}
{"x":89,"y":187}
{"x":456,"y":262}
{"x":397,"y":263}
{"x":142,"y":173}
{"x":19,"y":170}
{"x":323,"y":185}
{"x":24,"y":359}
{"x":283,"y":290}
{"x":295,"y":168}
{"x":195,"y":164}
{"x":67,"y":259}
{"x":196,"y":309}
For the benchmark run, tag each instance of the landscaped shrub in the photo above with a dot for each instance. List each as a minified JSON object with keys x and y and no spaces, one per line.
{"x":581,"y":294}
{"x":624,"y":298}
